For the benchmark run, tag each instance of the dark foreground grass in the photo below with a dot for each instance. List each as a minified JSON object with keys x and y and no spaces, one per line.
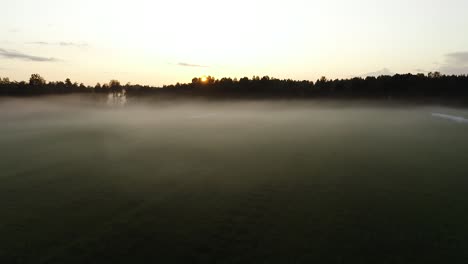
{"x":232,"y":183}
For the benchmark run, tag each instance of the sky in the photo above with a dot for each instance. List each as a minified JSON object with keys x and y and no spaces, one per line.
{"x":163,"y":42}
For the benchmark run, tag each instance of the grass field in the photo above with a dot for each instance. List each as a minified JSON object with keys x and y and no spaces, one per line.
{"x":231,"y":182}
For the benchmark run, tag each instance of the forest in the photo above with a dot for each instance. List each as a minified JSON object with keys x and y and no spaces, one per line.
{"x":400,"y":86}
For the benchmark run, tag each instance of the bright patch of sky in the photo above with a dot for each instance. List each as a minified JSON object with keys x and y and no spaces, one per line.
{"x":164,"y":42}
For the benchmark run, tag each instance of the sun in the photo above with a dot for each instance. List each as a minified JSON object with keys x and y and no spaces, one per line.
{"x":204,"y":79}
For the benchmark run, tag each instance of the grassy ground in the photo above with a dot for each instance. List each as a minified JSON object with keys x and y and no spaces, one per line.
{"x":232,"y":183}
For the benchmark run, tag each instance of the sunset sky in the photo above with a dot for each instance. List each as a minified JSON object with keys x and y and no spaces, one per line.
{"x":163,"y":42}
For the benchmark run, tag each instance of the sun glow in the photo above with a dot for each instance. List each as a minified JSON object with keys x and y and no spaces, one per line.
{"x":204,"y":79}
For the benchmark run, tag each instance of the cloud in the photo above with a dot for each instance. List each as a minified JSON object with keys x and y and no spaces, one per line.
{"x":39,"y":43}
{"x":454,"y":70}
{"x":420,"y":71}
{"x":455,"y":63}
{"x":11,"y":54}
{"x":382,"y":72}
{"x":63,"y":44}
{"x":184,"y":64}
{"x":72,"y":44}
{"x":457,"y":57}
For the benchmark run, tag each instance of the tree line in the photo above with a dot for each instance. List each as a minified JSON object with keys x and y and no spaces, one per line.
{"x":432,"y":85}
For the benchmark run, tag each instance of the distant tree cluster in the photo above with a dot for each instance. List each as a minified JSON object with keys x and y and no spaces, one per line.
{"x":37,"y":85}
{"x":432,"y":85}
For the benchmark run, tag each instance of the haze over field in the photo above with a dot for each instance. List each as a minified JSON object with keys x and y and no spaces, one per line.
{"x":245,"y":181}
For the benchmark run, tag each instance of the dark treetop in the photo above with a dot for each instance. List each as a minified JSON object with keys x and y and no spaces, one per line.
{"x":407,"y":86}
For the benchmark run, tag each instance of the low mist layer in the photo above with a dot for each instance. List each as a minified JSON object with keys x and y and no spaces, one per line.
{"x":246,"y":181}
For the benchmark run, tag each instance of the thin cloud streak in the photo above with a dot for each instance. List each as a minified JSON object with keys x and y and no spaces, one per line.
{"x":383,"y":72}
{"x":455,"y":63}
{"x":73,"y":44}
{"x":184,"y":64}
{"x":63,"y":44}
{"x":458,"y":57}
{"x":11,"y":54}
{"x":420,"y":71}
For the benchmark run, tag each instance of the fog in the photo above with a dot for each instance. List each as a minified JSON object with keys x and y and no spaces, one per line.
{"x":84,"y":180}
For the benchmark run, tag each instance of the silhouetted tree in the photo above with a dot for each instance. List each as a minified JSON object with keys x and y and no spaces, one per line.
{"x":36,"y":80}
{"x":435,"y":86}
{"x":4,"y":80}
{"x":115,"y":86}
{"x":434,"y":74}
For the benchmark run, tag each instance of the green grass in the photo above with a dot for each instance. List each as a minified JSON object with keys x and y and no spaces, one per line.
{"x":232,"y":183}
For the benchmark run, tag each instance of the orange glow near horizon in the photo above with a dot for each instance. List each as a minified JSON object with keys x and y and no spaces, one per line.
{"x":204,"y":79}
